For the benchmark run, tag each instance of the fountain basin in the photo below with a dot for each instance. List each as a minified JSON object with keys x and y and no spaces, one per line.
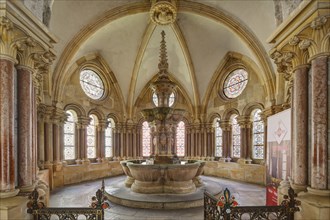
{"x":163,"y":178}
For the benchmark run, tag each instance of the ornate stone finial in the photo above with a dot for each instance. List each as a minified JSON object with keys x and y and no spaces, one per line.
{"x":163,"y":12}
{"x":163,"y":65}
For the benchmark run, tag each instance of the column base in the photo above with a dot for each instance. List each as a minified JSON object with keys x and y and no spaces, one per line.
{"x":298,"y":188}
{"x":9,"y":194}
{"x":78,"y":161}
{"x":14,"y":208}
{"x":315,"y":204}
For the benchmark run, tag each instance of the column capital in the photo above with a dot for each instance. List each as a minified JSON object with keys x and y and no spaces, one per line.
{"x":83,"y":122}
{"x":244,"y":121}
{"x":225,"y":125}
{"x":270,"y":111}
{"x":8,"y":44}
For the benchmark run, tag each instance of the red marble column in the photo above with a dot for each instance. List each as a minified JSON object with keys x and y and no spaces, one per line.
{"x":226,"y":138}
{"x":300,"y":127}
{"x":319,"y":175}
{"x":41,"y":140}
{"x":25,"y":128}
{"x":48,"y":142}
{"x":7,"y":157}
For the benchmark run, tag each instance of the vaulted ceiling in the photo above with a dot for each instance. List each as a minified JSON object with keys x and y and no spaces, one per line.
{"x":122,"y":33}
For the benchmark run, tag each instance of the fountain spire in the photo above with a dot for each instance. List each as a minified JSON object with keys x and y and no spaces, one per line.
{"x":163,"y":64}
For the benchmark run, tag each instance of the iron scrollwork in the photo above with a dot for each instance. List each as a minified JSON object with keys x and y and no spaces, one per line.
{"x":95,"y":212}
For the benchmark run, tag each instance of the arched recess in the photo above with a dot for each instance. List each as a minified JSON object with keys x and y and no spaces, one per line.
{"x":250,"y":107}
{"x":77,"y":108}
{"x":96,"y":62}
{"x":114,"y":117}
{"x":212,"y":117}
{"x":179,"y":87}
{"x":218,"y":15}
{"x":100,"y":115}
{"x":228,"y":113}
{"x":230,"y":61}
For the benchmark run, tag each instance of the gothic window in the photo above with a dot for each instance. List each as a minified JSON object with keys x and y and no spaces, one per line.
{"x":146,"y":140}
{"x":69,"y":136}
{"x":218,"y":138}
{"x":236,"y":137}
{"x":180,"y":137}
{"x":235,"y":83}
{"x":108,"y":138}
{"x":258,"y":135}
{"x":171,"y":99}
{"x":91,"y":137}
{"x":91,"y":83}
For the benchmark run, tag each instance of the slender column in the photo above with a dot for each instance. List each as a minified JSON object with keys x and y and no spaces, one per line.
{"x":300,"y":127}
{"x":245,"y":129}
{"x":100,"y":152}
{"x":25,"y":135}
{"x":48,"y":141}
{"x":41,"y":137}
{"x":319,"y":175}
{"x":226,"y":138}
{"x":82,"y":126}
{"x":7,"y":159}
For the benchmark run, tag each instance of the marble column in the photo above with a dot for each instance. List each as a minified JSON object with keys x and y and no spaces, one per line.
{"x":7,"y":125}
{"x":25,"y":131}
{"x":300,"y":128}
{"x":41,"y":139}
{"x":319,"y":167}
{"x":82,"y":126}
{"x":245,"y":129}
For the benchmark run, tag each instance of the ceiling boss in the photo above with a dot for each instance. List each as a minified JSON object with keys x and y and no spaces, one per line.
{"x":163,"y":12}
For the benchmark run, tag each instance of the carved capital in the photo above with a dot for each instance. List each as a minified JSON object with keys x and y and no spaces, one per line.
{"x":26,"y":47}
{"x":283,"y":60}
{"x":163,"y":12}
{"x":318,"y":23}
{"x":244,"y":121}
{"x":8,"y":45}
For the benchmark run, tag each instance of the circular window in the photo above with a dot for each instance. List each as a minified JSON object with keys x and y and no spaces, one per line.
{"x":171,"y":100}
{"x":235,"y":83}
{"x":92,"y":84}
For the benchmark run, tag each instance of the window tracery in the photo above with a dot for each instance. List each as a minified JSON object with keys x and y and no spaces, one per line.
{"x":91,"y":140}
{"x":108,"y":139}
{"x":91,"y":83}
{"x":69,"y":136}
{"x":218,"y":139}
{"x":146,"y":140}
{"x":180,"y":139}
{"x":258,"y":135}
{"x":236,"y":137}
{"x":235,"y":83}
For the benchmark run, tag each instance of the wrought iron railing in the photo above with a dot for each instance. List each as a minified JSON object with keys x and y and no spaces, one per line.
{"x":225,"y":208}
{"x":95,"y":212}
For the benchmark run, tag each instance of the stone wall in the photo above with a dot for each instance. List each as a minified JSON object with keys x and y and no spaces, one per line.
{"x":251,"y":173}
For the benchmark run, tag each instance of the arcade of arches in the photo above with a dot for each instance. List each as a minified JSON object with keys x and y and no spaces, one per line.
{"x":75,"y":77}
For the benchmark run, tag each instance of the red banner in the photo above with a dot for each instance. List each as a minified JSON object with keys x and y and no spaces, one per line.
{"x":271,"y":195}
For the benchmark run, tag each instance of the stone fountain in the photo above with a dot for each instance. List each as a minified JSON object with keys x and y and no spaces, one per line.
{"x":165,"y":174}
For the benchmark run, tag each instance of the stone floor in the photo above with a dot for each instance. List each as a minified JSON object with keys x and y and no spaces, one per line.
{"x":79,"y":195}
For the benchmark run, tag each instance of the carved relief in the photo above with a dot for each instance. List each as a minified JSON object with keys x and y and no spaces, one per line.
{"x":163,"y":12}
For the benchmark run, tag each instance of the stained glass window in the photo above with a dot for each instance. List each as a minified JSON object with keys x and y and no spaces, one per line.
{"x":92,"y":84}
{"x":235,"y":83}
{"x":218,"y":139}
{"x":258,"y":135}
{"x":91,"y":131}
{"x":180,"y":137}
{"x":108,"y":139}
{"x":236,"y":137}
{"x":146,"y":139}
{"x":69,"y":136}
{"x":170,"y":101}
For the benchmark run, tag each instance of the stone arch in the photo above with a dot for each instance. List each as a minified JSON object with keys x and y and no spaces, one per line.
{"x":218,"y":15}
{"x":77,"y":108}
{"x":231,"y":61}
{"x":229,"y":112}
{"x":248,"y":109}
{"x":98,"y":113}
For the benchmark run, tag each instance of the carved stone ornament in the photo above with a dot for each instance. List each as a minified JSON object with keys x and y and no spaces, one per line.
{"x":163,"y":12}
{"x":318,"y":22}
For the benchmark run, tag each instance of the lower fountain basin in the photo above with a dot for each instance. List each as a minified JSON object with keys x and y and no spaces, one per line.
{"x":163,"y":178}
